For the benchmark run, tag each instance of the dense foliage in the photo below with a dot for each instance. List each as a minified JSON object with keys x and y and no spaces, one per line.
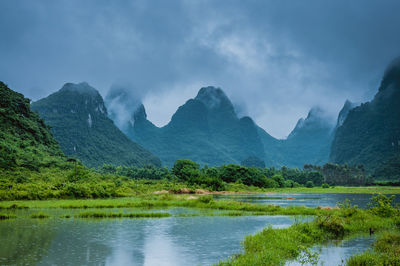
{"x":80,"y":124}
{"x":25,"y":140}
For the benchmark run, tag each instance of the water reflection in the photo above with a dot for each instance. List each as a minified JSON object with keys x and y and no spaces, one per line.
{"x":337,"y":252}
{"x":169,"y":241}
{"x":306,"y":199}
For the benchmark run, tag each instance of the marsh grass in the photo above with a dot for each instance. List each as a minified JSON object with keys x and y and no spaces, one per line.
{"x":13,"y":206}
{"x":40,"y":215}
{"x":97,"y":214}
{"x":276,"y":246}
{"x":5,"y":216}
{"x":386,"y":251}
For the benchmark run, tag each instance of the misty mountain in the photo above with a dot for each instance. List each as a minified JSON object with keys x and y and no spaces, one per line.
{"x":370,"y":134}
{"x":79,"y":121}
{"x":309,"y":142}
{"x":207,"y":129}
{"x":25,"y":140}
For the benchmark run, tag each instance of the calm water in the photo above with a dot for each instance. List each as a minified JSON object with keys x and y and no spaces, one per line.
{"x":167,"y":241}
{"x":306,"y":199}
{"x":337,"y":252}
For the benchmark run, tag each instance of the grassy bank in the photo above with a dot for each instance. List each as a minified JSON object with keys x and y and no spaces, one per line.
{"x":163,"y":202}
{"x":276,"y":246}
{"x":339,"y":189}
{"x":385,"y":251}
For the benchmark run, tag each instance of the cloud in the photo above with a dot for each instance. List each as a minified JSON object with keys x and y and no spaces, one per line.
{"x":274,"y":59}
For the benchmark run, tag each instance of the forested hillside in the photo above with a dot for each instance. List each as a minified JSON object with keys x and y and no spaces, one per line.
{"x":78,"y":119}
{"x":207,"y":130}
{"x":370,"y":135}
{"x":25,"y":140}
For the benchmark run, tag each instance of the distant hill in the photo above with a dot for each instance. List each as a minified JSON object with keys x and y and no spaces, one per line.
{"x":78,"y":119}
{"x":370,"y":134}
{"x":25,"y":140}
{"x":309,"y":142}
{"x":207,"y":129}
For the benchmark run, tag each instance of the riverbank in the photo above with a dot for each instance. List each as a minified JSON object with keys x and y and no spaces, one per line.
{"x":277,"y":246}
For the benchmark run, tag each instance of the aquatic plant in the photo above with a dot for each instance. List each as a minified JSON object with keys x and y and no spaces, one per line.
{"x":386,"y":251}
{"x":40,"y":215}
{"x":122,"y":215}
{"x":5,"y":216}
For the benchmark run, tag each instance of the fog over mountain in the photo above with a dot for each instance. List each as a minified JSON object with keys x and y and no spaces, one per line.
{"x":274,"y":59}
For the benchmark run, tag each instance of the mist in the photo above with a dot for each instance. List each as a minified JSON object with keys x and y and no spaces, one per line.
{"x":274,"y":59}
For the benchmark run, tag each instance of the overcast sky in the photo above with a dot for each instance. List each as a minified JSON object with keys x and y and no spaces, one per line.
{"x":274,"y":59}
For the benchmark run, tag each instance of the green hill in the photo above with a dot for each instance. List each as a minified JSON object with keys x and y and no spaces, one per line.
{"x":370,"y":135}
{"x":79,"y":122}
{"x":207,"y":130}
{"x":25,"y":140}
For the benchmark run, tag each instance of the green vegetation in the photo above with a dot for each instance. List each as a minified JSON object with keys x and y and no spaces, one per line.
{"x":276,"y":246}
{"x":80,"y":124}
{"x":386,"y":251}
{"x":5,"y":216}
{"x":40,"y":215}
{"x":370,"y":133}
{"x":94,"y":214}
{"x":25,"y":140}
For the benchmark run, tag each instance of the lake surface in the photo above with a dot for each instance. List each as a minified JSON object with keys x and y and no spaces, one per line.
{"x":337,"y":252}
{"x":166,"y":241}
{"x":307,"y":199}
{"x":201,"y":240}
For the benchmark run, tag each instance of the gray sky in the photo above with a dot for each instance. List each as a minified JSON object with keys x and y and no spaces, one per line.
{"x":274,"y":59}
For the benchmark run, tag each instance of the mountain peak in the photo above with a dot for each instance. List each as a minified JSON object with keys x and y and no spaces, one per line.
{"x":82,"y":88}
{"x":391,"y":75}
{"x":213,"y":97}
{"x":140,"y":113}
{"x":344,"y":112}
{"x":317,"y":119}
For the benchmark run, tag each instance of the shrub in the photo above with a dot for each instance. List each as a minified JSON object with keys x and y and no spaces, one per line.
{"x":309,"y":184}
{"x":332,"y":224}
{"x":325,"y":185}
{"x":382,"y":205}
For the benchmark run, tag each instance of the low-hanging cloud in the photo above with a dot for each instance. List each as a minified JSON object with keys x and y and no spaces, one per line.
{"x":274,"y":59}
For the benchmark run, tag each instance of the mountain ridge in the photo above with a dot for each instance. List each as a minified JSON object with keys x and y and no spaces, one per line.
{"x":80,"y":123}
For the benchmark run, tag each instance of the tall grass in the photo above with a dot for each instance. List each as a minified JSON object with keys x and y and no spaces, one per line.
{"x":276,"y":246}
{"x":40,"y":215}
{"x":5,"y":216}
{"x":95,"y":214}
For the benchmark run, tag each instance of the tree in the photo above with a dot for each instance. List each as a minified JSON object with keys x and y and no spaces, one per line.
{"x":185,"y":169}
{"x":309,"y":184}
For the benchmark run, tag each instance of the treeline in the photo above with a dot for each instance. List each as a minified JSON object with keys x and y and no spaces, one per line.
{"x":189,"y":172}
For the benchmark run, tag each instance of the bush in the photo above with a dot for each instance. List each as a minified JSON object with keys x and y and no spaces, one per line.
{"x":325,"y":185}
{"x":382,"y":205}
{"x":332,"y":224}
{"x":309,"y":184}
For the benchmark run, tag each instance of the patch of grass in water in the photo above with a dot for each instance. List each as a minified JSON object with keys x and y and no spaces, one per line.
{"x":122,"y":215}
{"x":5,"y":216}
{"x":386,"y":251}
{"x":40,"y":215}
{"x":13,"y":206}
